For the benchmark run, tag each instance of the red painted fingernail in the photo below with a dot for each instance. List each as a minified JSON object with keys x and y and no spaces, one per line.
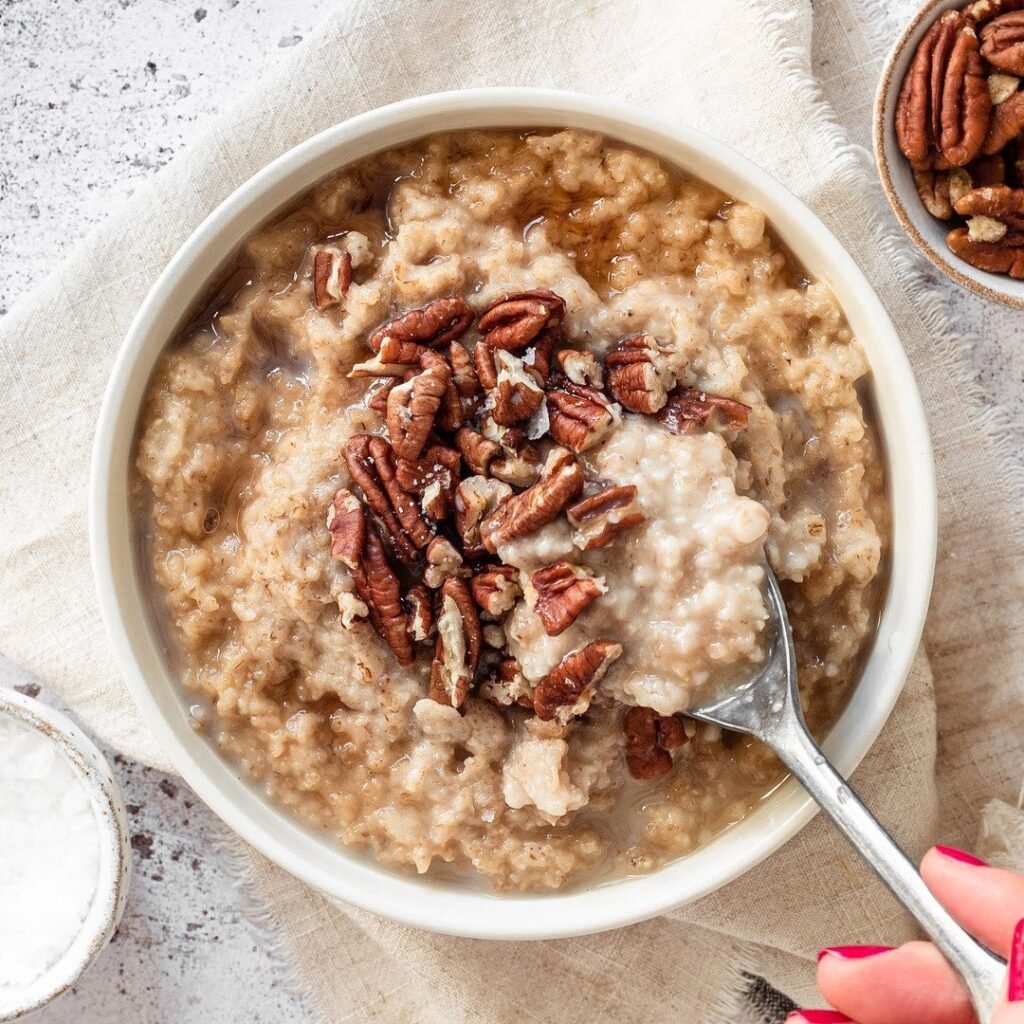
{"x":853,"y":952}
{"x":817,"y":1017}
{"x":1015,"y":982}
{"x":961,"y":855}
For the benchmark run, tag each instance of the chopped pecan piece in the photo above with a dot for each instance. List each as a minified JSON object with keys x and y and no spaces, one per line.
{"x":377,"y":395}
{"x":477,"y":450}
{"x":412,"y":408}
{"x":347,"y":524}
{"x":598,"y":519}
{"x":1001,"y":87}
{"x":443,"y":561}
{"x":520,"y":468}
{"x":1007,"y":124}
{"x":476,"y":498}
{"x":581,"y":367}
{"x":463,"y":373}
{"x":433,"y":478}
{"x":332,"y":275}
{"x":434,"y":324}
{"x":421,"y":613}
{"x":639,"y":374}
{"x":515,"y":320}
{"x":517,"y":393}
{"x":943,"y":109}
{"x":496,"y":589}
{"x":449,"y":415}
{"x":933,"y":188}
{"x":649,"y":738}
{"x":370,"y":462}
{"x":352,"y":609}
{"x":567,"y":690}
{"x":508,"y":687}
{"x":377,"y":367}
{"x":563,"y":592}
{"x":577,"y":420}
{"x":378,"y":586}
{"x":394,"y":350}
{"x":692,"y":406}
{"x":560,"y":481}
{"x":1002,"y":42}
{"x":457,"y":652}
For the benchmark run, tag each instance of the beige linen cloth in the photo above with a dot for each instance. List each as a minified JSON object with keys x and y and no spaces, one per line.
{"x":740,"y":69}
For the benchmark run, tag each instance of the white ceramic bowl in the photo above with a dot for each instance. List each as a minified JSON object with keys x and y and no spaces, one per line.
{"x":115,"y":854}
{"x":927,"y":233}
{"x":322,"y":861}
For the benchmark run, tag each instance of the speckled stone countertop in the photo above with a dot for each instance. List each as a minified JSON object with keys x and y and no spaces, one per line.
{"x":94,"y":98}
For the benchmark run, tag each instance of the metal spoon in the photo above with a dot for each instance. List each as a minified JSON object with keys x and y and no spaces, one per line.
{"x":768,"y":707}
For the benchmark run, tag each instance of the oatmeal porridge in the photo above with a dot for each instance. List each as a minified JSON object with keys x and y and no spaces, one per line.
{"x":459,"y":495}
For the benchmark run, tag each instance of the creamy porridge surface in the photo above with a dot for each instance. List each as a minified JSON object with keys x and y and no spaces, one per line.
{"x":687,"y":394}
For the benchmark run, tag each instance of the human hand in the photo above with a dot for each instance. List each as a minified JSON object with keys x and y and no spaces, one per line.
{"x":913,"y":984}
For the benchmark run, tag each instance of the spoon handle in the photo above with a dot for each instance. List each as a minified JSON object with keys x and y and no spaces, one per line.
{"x":982,"y":971}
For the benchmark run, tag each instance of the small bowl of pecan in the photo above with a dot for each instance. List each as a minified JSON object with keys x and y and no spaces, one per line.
{"x":949,"y":141}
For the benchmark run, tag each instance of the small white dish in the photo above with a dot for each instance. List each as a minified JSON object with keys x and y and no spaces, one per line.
{"x":108,"y":904}
{"x":924,"y":230}
{"x":318,"y":858}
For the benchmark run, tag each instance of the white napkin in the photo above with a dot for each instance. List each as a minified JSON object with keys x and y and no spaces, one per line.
{"x":742,"y":71}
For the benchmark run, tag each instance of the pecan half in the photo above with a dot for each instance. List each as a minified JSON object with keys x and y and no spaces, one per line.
{"x":476,"y":498}
{"x":1007,"y":124}
{"x":477,"y":450}
{"x":943,"y":109}
{"x":560,"y":481}
{"x":517,"y":392}
{"x":515,"y":320}
{"x":507,"y":686}
{"x":1000,"y":202}
{"x":581,"y":367}
{"x":567,"y":690}
{"x":443,"y":561}
{"x":598,"y":519}
{"x":434,"y":324}
{"x":1003,"y":257}
{"x":332,"y":275}
{"x":433,"y":478}
{"x":457,"y":652}
{"x":563,"y":591}
{"x":496,"y":589}
{"x":649,"y":738}
{"x":421,"y":613}
{"x":639,"y":375}
{"x":687,"y":406}
{"x":347,"y":524}
{"x":412,"y":408}
{"x":578,"y":420}
{"x":370,"y":462}
{"x":1002,"y":42}
{"x":378,"y":586}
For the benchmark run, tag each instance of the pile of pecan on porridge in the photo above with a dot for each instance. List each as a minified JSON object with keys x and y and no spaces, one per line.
{"x":457,"y":503}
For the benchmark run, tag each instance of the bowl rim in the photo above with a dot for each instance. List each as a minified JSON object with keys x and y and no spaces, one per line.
{"x":888,"y":88}
{"x":346,"y":874}
{"x":108,"y":903}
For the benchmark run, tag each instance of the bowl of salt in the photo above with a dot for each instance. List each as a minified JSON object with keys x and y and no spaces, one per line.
{"x":64,"y":854}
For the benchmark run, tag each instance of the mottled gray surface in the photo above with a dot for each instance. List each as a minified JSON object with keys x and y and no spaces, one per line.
{"x":94,"y":97}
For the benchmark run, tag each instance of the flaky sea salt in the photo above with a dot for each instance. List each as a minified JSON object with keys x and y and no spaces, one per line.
{"x":49,"y":855}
